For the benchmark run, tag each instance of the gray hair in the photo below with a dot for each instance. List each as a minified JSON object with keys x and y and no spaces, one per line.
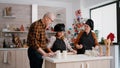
{"x":50,"y":15}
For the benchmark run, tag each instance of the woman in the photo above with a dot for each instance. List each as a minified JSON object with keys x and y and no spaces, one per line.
{"x":86,"y":39}
{"x":59,"y":42}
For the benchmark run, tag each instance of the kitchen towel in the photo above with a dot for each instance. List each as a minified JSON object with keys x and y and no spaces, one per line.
{"x":5,"y":57}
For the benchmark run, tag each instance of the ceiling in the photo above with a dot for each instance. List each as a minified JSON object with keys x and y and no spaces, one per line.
{"x":70,"y":1}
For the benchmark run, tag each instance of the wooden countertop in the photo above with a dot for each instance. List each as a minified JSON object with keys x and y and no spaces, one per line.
{"x":13,"y":49}
{"x":75,"y":58}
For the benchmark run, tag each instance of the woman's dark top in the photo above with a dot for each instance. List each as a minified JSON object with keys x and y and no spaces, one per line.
{"x":87,"y":40}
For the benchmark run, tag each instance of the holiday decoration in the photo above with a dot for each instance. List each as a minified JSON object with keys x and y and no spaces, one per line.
{"x":111,"y":36}
{"x":107,"y":44}
{"x":78,"y":14}
{"x":77,"y":26}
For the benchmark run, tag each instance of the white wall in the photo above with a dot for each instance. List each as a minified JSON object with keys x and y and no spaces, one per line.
{"x":87,"y":4}
{"x":84,"y":5}
{"x":75,"y":6}
{"x":68,"y":6}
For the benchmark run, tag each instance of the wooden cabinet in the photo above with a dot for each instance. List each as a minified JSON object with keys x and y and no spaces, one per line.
{"x":114,"y":51}
{"x":82,"y":64}
{"x":22,"y":59}
{"x":14,"y":58}
{"x":98,"y":64}
{"x":7,"y":59}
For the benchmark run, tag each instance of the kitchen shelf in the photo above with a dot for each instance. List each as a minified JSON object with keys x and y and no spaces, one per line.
{"x":50,"y":32}
{"x":14,"y":31}
{"x":9,"y":17}
{"x":9,"y":33}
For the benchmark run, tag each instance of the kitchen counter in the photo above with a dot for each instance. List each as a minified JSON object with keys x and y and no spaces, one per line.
{"x":14,"y":58}
{"x":76,"y":58}
{"x":2,"y":49}
{"x":78,"y":61}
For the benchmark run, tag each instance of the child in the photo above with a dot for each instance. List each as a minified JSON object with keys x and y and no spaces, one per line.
{"x":59,"y":42}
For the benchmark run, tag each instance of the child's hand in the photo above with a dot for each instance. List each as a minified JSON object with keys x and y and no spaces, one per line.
{"x":79,"y":46}
{"x":74,"y":51}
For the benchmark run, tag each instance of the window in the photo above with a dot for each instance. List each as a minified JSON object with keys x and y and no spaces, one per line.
{"x":105,"y":20}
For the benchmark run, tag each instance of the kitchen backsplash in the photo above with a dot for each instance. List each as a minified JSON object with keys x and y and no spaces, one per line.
{"x":22,"y":16}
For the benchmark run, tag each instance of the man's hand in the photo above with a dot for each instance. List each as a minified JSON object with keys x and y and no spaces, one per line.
{"x":49,"y":54}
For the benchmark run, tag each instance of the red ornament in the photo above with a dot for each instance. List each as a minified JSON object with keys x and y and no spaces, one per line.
{"x":69,"y":32}
{"x":111,"y":36}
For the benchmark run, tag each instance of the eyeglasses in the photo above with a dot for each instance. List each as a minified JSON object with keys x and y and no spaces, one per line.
{"x":51,"y":19}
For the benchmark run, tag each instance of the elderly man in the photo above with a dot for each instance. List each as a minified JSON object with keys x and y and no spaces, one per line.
{"x":36,"y":40}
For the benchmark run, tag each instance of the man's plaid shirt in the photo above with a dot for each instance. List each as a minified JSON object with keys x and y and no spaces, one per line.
{"x":36,"y":35}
